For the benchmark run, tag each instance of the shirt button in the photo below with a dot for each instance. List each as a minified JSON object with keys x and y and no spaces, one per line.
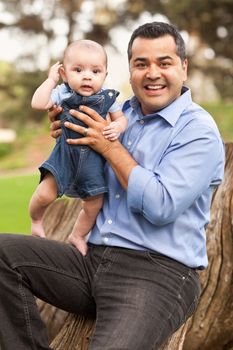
{"x":109,"y":221}
{"x":117,"y":196}
{"x":141,"y":121}
{"x":129,"y":143}
{"x":105,"y":239}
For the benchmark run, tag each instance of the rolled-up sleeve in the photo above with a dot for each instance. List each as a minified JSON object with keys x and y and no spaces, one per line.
{"x":187,"y":169}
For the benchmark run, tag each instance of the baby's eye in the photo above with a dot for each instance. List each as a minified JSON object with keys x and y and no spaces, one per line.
{"x":78,"y":70}
{"x":96,"y":71}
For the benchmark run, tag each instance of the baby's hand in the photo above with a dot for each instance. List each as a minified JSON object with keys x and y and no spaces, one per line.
{"x":112,"y":131}
{"x":54,"y":72}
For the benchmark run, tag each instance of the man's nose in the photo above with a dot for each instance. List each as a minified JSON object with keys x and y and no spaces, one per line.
{"x":153,"y":72}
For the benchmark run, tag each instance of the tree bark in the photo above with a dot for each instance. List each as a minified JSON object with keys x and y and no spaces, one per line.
{"x":211,"y":327}
{"x":212,"y":324}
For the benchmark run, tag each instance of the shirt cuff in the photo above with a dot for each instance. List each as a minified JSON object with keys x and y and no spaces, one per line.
{"x":138,"y":180}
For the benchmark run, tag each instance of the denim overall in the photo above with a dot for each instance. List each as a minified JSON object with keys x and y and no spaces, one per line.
{"x":78,"y":170}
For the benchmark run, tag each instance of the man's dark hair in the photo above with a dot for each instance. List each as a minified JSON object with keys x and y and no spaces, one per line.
{"x":156,"y":30}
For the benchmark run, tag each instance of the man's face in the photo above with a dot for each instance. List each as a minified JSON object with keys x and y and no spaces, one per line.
{"x":156,"y":72}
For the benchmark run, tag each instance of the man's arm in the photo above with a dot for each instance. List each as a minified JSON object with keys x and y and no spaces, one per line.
{"x":55,"y":127}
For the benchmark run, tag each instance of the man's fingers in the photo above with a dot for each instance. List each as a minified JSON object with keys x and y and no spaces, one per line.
{"x":77,"y":128}
{"x":91,"y":112}
{"x":55,"y":125}
{"x":53,"y":113}
{"x":56,"y":133}
{"x":85,"y":132}
{"x":55,"y":129}
{"x":88,"y":116}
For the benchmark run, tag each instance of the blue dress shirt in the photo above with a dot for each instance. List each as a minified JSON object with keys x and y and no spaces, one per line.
{"x":180,"y":156}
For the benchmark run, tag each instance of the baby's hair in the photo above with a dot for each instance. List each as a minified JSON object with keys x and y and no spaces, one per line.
{"x":89,"y":44}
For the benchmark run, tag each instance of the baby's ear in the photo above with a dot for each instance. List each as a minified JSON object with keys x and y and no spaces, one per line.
{"x":63,"y":73}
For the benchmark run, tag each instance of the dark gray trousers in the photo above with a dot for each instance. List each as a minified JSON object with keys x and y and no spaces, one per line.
{"x":139,"y":298}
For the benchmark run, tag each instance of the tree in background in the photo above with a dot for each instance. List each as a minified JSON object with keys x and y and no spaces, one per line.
{"x":210,"y":24}
{"x":50,"y":25}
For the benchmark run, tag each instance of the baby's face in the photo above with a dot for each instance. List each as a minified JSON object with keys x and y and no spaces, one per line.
{"x":85,"y":70}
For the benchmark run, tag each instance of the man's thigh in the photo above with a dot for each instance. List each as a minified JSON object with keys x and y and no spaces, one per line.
{"x":141,"y":299}
{"x":55,"y":272}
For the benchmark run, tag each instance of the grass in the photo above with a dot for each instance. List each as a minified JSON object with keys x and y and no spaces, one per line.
{"x":15,"y":195}
{"x":32,"y":145}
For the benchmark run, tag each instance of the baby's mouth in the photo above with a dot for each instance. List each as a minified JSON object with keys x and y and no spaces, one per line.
{"x":86,"y":87}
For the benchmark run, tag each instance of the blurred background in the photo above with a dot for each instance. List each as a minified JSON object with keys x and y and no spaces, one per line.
{"x":34,"y":33}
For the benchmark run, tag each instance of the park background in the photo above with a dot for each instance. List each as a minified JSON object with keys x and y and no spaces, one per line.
{"x":34,"y":33}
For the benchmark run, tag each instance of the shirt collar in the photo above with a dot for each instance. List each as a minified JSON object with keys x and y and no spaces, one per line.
{"x":171,"y":113}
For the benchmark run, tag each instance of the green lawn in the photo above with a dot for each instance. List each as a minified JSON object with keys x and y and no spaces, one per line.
{"x":15,"y":195}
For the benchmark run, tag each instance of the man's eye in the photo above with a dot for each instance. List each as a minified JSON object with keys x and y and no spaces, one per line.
{"x":164,"y":64}
{"x":141,"y":65}
{"x":78,"y":70}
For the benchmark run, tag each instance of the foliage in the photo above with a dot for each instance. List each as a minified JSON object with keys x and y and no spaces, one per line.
{"x":223,"y":115}
{"x":5,"y":149}
{"x":210,"y":21}
{"x":16,"y":90}
{"x":206,"y":18}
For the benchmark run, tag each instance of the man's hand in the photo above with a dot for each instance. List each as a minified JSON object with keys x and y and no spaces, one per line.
{"x":55,"y":125}
{"x":93,"y":133}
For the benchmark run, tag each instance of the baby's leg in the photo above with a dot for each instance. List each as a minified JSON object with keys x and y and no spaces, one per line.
{"x":45,"y":194}
{"x":85,"y":221}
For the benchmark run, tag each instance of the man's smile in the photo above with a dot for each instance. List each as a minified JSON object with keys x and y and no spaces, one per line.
{"x":154,"y":88}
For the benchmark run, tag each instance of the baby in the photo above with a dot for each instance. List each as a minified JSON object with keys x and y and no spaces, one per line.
{"x":76,"y":171}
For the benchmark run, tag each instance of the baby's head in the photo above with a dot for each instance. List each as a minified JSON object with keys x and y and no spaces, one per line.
{"x":84,"y":66}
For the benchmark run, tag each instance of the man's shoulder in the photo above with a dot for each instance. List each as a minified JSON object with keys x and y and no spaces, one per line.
{"x":199,"y":115}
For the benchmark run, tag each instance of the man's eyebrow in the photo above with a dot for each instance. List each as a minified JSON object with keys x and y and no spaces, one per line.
{"x":162,"y":58}
{"x":140,"y":59}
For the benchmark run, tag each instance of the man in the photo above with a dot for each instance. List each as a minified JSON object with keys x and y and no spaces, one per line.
{"x":140,"y":274}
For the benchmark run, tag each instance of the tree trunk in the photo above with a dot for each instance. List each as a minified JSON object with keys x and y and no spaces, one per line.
{"x":211,"y":327}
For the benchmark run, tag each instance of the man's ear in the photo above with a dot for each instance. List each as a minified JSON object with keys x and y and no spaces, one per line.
{"x":185,"y":69}
{"x":63,"y":73}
